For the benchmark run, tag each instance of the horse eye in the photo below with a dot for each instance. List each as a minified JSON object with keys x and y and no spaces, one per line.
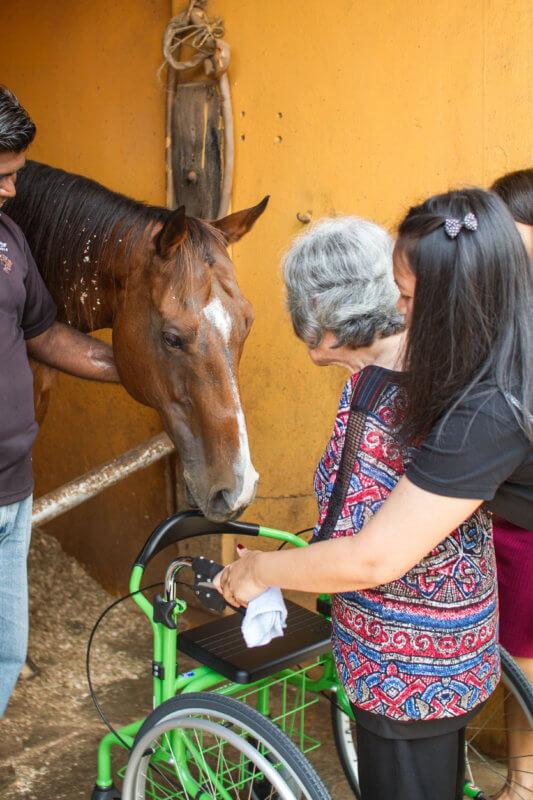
{"x":173,"y":340}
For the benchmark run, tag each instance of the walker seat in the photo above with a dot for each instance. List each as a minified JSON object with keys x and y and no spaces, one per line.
{"x":220,"y":645}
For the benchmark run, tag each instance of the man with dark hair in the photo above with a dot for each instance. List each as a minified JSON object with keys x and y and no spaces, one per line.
{"x":27,"y":326}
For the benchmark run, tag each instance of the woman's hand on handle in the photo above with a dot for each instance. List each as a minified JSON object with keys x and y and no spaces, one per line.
{"x":238,"y":583}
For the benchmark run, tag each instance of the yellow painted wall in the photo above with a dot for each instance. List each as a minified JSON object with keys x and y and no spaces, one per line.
{"x":346,"y":106}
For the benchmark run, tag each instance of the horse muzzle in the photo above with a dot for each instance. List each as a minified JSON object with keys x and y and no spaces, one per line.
{"x":226,"y":502}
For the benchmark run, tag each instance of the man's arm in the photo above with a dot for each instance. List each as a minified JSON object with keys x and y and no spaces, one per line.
{"x":70,"y":351}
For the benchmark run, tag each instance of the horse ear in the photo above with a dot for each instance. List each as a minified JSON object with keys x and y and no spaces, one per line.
{"x":171,"y":234}
{"x":236,"y":225}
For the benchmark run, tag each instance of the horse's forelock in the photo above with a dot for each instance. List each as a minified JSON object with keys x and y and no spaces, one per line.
{"x":196,"y":255}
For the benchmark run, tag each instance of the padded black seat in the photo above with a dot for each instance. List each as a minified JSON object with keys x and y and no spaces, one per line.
{"x":220,"y":645}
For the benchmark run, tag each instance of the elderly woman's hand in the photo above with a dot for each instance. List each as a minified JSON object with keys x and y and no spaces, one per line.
{"x":238,"y":582}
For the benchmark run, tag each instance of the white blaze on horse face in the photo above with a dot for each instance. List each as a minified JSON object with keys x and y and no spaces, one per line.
{"x":244,"y":468}
{"x":219,"y":318}
{"x":245,"y":473}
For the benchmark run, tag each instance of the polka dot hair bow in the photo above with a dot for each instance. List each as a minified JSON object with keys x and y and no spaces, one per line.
{"x":453,"y":226}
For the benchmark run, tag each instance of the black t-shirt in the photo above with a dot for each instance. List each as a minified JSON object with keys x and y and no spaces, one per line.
{"x":26,"y":310}
{"x":479,"y":451}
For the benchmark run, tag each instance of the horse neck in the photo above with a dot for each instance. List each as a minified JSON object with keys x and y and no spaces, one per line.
{"x":85,"y":301}
{"x":86,"y":240}
{"x":89,"y":299}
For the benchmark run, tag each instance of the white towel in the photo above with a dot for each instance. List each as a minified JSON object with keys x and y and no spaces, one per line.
{"x":265,"y":618}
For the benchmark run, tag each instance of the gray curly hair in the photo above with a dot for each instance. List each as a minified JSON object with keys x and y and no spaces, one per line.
{"x":339,"y":278}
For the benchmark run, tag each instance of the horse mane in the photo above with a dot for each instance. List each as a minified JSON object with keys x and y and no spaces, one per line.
{"x":75,"y":226}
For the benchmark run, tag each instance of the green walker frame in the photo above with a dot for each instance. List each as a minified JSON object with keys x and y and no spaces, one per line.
{"x":168,"y":683}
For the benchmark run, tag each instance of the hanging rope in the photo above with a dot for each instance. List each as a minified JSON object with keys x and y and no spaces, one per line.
{"x":194,"y":29}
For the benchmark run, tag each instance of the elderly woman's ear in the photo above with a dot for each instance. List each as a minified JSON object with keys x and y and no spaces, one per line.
{"x":329,"y":352}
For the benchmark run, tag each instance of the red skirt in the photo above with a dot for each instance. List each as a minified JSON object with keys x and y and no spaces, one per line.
{"x":514,"y":557}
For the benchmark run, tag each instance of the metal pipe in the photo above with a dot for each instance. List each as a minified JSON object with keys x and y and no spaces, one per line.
{"x":170,"y":576}
{"x":79,"y":490}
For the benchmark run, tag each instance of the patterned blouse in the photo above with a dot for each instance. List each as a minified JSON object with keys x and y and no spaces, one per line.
{"x":422,"y":647}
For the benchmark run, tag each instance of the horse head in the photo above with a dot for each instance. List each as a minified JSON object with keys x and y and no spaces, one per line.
{"x":166,"y":285}
{"x":178,"y":333}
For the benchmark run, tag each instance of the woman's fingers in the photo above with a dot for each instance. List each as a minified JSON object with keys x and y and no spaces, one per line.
{"x":236,"y":582}
{"x":230,"y":595}
{"x":224,"y":577}
{"x":223,"y":583}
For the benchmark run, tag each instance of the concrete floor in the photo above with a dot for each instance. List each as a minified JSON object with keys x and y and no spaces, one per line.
{"x":49,"y":738}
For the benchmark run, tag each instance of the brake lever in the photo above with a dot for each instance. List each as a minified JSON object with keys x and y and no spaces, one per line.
{"x":205,"y":571}
{"x":210,"y":601}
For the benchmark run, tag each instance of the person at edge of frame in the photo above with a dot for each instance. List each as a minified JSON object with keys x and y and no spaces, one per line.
{"x":514,"y":545}
{"x":466,"y":291}
{"x":28,"y":326}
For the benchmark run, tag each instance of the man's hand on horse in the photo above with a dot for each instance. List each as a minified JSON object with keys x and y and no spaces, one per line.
{"x":237,"y":582}
{"x":68,"y":350}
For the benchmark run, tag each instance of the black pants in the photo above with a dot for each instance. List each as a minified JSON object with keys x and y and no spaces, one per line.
{"x":432,"y":768}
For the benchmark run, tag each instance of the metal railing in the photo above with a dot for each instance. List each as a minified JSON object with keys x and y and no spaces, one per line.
{"x":77,"y":491}
{"x":80,"y":489}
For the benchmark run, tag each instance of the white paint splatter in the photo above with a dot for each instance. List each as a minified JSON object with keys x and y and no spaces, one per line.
{"x":97,"y":361}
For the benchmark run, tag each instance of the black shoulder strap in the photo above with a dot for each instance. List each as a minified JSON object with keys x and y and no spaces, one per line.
{"x":366,"y":397}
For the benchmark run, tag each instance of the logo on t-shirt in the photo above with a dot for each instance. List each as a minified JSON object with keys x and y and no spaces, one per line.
{"x":5,"y":262}
{"x":3,"y":247}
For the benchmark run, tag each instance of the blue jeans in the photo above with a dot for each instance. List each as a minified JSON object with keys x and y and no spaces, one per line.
{"x":15,"y":534}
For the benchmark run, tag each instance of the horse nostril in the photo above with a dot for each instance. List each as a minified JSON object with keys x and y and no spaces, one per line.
{"x":218,"y":502}
{"x":222,"y":507}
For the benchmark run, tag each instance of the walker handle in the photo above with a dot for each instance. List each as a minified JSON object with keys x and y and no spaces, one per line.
{"x":186,"y":525}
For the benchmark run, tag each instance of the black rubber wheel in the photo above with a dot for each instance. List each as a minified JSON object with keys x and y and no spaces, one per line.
{"x":515,"y":679}
{"x":486,"y":769}
{"x":297,"y":771}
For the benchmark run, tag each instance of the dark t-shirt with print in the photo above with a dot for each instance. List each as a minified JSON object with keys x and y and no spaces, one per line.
{"x":26,"y":310}
{"x":479,"y":451}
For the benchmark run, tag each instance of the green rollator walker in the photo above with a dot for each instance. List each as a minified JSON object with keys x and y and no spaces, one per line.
{"x":234,"y":727}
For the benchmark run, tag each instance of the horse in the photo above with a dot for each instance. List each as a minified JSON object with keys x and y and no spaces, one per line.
{"x":165,"y":284}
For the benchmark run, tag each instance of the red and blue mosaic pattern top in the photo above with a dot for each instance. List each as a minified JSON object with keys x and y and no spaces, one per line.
{"x":422,"y":647}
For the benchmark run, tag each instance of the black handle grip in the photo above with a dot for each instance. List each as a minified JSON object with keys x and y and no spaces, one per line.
{"x":186,"y":525}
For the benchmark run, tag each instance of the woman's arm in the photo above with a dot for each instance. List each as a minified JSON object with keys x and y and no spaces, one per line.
{"x":409,"y":525}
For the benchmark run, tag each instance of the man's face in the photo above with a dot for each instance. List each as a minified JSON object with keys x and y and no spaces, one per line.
{"x":10,"y":163}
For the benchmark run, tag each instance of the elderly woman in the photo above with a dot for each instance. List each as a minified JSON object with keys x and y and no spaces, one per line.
{"x":341,"y":294}
{"x":414,"y":605}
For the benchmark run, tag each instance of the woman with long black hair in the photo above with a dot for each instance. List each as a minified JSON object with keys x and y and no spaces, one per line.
{"x":466,"y":292}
